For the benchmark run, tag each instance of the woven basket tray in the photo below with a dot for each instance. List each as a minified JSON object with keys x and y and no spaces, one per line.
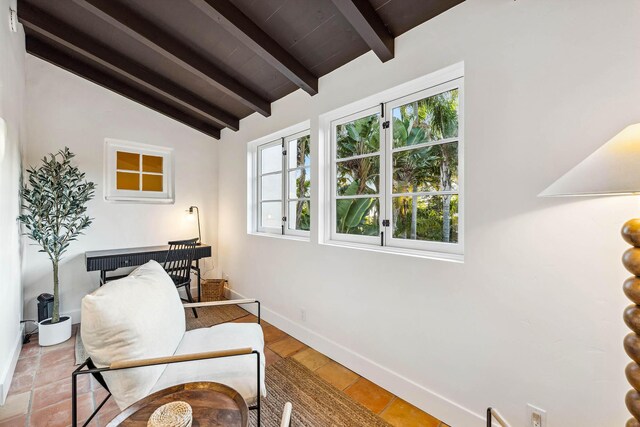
{"x":174,"y":414}
{"x":212,"y":289}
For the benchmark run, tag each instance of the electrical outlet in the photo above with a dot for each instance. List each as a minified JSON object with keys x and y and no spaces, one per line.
{"x":536,"y":420}
{"x":537,"y":417}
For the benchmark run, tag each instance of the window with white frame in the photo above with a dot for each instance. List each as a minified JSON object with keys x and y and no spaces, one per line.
{"x":135,"y":172}
{"x":283,"y":185}
{"x":396,"y":172}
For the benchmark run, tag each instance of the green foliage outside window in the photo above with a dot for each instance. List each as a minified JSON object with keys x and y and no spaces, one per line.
{"x":358,"y":176}
{"x":431,"y":168}
{"x":302,"y":184}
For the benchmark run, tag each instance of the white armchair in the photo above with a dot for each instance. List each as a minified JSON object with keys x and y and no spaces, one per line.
{"x":134,"y":332}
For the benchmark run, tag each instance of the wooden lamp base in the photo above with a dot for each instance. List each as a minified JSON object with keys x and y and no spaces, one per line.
{"x":631,"y":260}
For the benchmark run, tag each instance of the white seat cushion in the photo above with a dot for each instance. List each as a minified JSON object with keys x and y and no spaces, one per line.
{"x":137,"y":317}
{"x":238,"y":372}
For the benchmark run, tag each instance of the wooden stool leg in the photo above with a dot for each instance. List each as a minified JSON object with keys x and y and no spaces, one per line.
{"x":631,"y":287}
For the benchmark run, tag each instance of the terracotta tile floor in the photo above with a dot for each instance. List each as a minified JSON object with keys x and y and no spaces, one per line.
{"x":40,"y":393}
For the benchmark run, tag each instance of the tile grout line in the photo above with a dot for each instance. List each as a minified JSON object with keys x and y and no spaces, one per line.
{"x":354,"y":381}
{"x":37,"y":369}
{"x":32,"y":392}
{"x":324,"y":364}
{"x":388,"y":404}
{"x":297,"y":351}
{"x":321,"y":366}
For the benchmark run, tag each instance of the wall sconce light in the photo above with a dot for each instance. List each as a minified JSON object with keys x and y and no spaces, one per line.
{"x":190,"y":210}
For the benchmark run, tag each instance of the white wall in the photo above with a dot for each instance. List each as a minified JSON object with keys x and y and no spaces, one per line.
{"x":65,"y":110}
{"x":533,"y":315}
{"x":12,"y":84}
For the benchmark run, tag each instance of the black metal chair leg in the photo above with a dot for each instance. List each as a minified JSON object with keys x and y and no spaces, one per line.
{"x":186,"y":288}
{"x":74,"y":398}
{"x":258,"y":388}
{"x":199,"y":280}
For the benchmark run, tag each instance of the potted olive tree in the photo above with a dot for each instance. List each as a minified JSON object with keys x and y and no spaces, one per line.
{"x":54,"y":215}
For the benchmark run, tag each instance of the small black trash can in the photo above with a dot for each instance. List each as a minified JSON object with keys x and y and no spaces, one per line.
{"x":45,"y":306}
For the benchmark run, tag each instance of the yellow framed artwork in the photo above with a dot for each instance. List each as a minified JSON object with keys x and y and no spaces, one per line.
{"x":136,"y":172}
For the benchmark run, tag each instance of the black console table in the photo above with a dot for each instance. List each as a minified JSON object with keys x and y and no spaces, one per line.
{"x":112,"y":259}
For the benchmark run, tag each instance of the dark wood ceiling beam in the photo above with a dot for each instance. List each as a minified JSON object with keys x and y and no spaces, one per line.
{"x":224,"y":13}
{"x":53,"y":29}
{"x":368,"y":24}
{"x":156,"y":38}
{"x":50,"y":54}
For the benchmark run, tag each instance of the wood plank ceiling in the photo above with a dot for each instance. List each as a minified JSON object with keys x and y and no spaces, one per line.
{"x":210,"y":63}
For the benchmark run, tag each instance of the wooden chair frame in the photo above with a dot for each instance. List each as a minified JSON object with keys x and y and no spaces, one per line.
{"x":492,"y":413}
{"x":87,"y":366}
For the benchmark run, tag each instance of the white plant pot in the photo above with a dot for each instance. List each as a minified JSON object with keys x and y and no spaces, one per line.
{"x":54,"y":333}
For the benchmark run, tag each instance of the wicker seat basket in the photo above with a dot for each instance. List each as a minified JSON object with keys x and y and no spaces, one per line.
{"x":212,"y":289}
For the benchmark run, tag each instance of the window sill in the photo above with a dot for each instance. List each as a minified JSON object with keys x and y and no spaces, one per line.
{"x":112,"y":199}
{"x":280,"y":236}
{"x":437,"y":256}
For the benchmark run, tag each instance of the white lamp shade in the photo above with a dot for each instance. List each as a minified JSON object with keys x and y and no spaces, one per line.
{"x":613,"y":169}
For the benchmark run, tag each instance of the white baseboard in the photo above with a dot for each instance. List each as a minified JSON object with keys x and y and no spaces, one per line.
{"x":6,"y":372}
{"x":416,"y":394}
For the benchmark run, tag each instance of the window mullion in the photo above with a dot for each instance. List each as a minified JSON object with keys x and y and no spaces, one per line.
{"x":359,"y":156}
{"x":385,"y":178}
{"x":258,"y":195}
{"x":285,"y":186}
{"x":140,"y":171}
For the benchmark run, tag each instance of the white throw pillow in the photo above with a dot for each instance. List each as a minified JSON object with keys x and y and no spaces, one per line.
{"x":136,"y":317}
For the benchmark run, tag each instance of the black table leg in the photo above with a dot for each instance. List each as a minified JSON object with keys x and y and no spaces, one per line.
{"x":198,"y":270}
{"x":103,"y":277}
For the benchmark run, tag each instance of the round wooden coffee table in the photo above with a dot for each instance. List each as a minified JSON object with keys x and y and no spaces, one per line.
{"x":213,"y":404}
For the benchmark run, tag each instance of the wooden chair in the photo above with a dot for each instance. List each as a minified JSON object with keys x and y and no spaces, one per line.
{"x":178,"y":265}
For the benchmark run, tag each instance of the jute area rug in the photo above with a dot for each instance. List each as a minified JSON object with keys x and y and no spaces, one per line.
{"x":315,"y":402}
